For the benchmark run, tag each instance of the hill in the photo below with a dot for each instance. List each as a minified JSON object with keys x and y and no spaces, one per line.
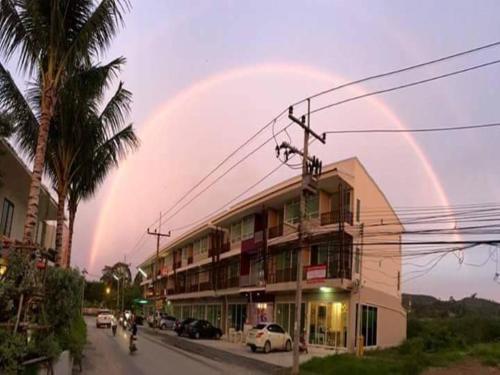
{"x":424,"y":306}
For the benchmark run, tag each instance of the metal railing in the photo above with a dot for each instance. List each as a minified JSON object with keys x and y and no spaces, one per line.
{"x":333,"y":217}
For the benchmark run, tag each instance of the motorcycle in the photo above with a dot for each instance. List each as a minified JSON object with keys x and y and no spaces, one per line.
{"x":132,"y":346}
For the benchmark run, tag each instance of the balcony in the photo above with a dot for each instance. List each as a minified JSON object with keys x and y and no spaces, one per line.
{"x":252,"y":280}
{"x":207,"y":285}
{"x":284,"y":275}
{"x":193,"y":288}
{"x":253,"y":243}
{"x":274,"y":232}
{"x":333,"y":217}
{"x":224,"y":248}
{"x":190,"y":260}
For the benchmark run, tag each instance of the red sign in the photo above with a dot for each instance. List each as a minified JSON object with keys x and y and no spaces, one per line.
{"x":316,"y":274}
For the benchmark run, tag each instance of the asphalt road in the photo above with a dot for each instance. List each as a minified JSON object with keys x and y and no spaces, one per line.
{"x":108,"y":355}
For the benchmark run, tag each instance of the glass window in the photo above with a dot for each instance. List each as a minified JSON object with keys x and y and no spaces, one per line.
{"x":399,"y":280}
{"x":292,"y":212}
{"x":197,"y":247}
{"x":236,"y":232}
{"x":319,"y":254}
{"x":214,"y":313}
{"x":312,"y":206}
{"x":7,"y":217}
{"x":204,"y":245}
{"x":369,"y":317}
{"x":247,"y":228}
{"x":358,"y":209}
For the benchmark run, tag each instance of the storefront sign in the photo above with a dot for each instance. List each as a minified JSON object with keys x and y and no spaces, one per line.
{"x":316,"y":274}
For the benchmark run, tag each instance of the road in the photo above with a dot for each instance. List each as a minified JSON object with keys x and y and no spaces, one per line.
{"x":108,"y":355}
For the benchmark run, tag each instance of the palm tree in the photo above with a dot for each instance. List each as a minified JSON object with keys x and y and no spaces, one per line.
{"x":105,"y":145}
{"x":79,"y":132}
{"x":50,"y":38}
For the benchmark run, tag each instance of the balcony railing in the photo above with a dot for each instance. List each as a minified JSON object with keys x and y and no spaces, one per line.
{"x":205,"y":286}
{"x":190,"y":260}
{"x":283,"y":275}
{"x":276,"y":231}
{"x":193,"y":288}
{"x":223,"y":249}
{"x":333,"y":217}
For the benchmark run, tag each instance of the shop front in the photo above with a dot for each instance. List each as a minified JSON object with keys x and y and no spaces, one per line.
{"x":324,"y":318}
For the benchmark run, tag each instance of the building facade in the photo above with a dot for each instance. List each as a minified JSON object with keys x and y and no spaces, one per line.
{"x":240,"y":267}
{"x":15,"y":178}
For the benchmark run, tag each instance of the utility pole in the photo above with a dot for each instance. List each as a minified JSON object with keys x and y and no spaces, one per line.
{"x":311,"y":169}
{"x":158,"y":235}
{"x":359,"y":338}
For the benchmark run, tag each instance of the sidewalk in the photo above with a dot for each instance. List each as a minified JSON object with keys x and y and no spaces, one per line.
{"x":237,"y":352}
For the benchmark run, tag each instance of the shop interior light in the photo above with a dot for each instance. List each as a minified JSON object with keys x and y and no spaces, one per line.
{"x":325,"y":289}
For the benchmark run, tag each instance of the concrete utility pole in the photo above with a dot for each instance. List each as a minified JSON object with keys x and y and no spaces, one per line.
{"x":158,"y":235}
{"x":311,"y":169}
{"x":359,"y":338}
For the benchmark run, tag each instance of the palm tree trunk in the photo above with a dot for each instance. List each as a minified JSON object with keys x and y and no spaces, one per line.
{"x":72,"y":214}
{"x":48,"y":104}
{"x":61,"y":203}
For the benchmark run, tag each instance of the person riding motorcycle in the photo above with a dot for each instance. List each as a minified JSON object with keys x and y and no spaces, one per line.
{"x":113,"y":325}
{"x":133,"y":335}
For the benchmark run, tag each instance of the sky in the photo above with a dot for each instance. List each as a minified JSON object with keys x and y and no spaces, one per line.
{"x":205,"y":75}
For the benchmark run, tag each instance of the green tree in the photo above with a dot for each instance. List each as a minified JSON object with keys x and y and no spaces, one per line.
{"x":50,"y":38}
{"x":80,"y":133}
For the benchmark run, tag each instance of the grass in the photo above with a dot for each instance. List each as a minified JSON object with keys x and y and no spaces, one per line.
{"x":401,"y":360}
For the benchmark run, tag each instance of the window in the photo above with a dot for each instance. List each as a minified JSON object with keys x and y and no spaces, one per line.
{"x":319,"y":255}
{"x":358,"y":210}
{"x":357,"y":259}
{"x":292,"y":212}
{"x":312,"y":206}
{"x":7,"y":216}
{"x":369,"y":319}
{"x":197,"y":247}
{"x":247,"y":228}
{"x":399,"y":281}
{"x":204,"y":245}
{"x":236,"y":232}
{"x":184,"y":251}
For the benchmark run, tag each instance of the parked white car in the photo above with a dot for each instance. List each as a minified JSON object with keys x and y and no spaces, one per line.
{"x":104,"y":318}
{"x":268,"y":337}
{"x":167,"y":322}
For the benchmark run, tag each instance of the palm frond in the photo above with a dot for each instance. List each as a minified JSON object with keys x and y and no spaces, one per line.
{"x":14,"y":105}
{"x":117,"y":109}
{"x":16,"y":33}
{"x":97,"y":30}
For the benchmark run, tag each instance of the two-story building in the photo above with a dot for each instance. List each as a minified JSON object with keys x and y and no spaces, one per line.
{"x":15,"y":178}
{"x":240,"y":267}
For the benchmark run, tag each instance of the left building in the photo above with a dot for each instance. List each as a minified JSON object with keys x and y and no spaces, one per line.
{"x":15,"y":178}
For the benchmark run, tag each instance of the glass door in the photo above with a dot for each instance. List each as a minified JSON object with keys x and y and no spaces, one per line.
{"x":328,"y":324}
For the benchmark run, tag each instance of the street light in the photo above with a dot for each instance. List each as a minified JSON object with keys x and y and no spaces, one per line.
{"x":3,"y":266}
{"x":144,"y":274}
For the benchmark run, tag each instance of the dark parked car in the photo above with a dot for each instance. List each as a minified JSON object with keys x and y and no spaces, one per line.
{"x":180,"y":326}
{"x":203,"y":328}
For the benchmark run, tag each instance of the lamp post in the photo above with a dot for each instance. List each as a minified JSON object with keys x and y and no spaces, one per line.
{"x":117,"y":291}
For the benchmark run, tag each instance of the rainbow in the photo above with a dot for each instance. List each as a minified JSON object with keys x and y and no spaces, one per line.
{"x":205,"y":85}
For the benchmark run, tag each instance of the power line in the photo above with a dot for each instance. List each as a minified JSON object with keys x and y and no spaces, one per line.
{"x":351,"y":83}
{"x":423,"y":130}
{"x":406,"y":85}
